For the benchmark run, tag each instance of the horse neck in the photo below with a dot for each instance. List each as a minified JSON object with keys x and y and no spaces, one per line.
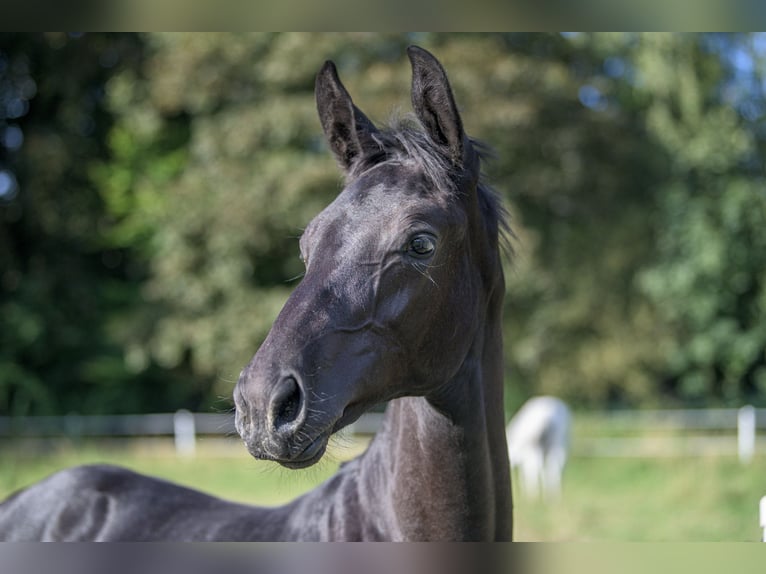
{"x":438,"y":468}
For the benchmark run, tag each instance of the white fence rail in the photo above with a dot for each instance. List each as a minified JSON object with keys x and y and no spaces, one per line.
{"x":635,"y":433}
{"x":672,"y":433}
{"x":140,"y":425}
{"x":680,"y":419}
{"x":185,"y":427}
{"x":112,"y":425}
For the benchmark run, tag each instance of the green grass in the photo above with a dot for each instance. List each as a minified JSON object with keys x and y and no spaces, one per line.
{"x":225,"y":470}
{"x":686,"y":499}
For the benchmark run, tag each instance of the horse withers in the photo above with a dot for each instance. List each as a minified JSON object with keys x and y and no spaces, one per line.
{"x":401,"y":301}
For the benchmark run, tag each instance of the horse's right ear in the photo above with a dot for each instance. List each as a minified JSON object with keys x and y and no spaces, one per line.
{"x":347,"y":129}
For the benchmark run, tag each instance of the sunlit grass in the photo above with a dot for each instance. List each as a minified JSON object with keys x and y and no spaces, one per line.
{"x":624,"y":499}
{"x":222,"y":468}
{"x":617,"y":499}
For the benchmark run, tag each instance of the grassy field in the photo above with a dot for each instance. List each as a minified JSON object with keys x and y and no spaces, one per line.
{"x":222,"y":468}
{"x":620,"y":499}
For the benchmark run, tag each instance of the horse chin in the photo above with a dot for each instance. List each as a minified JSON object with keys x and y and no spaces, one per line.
{"x":311,"y":455}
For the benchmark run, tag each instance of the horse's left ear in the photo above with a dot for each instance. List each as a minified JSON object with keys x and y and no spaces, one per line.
{"x":434,"y":103}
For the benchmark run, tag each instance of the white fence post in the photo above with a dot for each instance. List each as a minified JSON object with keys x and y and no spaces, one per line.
{"x":763,"y":517}
{"x":185,"y":433}
{"x":746,"y":433}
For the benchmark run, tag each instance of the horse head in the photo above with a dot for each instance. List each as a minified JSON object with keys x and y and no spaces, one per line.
{"x":397,"y":271}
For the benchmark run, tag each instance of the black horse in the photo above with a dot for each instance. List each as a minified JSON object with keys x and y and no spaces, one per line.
{"x":401,"y":302}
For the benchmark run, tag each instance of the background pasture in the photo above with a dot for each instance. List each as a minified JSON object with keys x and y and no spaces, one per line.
{"x":620,"y":498}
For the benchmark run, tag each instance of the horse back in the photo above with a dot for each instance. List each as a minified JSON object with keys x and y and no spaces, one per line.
{"x":107,"y":503}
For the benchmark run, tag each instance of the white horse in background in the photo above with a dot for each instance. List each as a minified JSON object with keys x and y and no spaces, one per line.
{"x":538,"y":444}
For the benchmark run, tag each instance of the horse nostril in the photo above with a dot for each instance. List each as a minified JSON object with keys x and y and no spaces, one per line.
{"x":285,"y":403}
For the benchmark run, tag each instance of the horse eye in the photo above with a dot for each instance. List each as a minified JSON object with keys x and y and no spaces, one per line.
{"x":422,"y":245}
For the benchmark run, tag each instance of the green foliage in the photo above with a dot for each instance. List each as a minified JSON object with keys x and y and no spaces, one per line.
{"x":707,"y":280}
{"x":68,"y":289}
{"x":631,"y":164}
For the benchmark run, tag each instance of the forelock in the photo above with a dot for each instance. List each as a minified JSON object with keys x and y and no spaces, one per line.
{"x":404,"y":141}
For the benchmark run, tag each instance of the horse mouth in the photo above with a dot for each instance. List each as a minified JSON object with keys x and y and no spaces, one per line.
{"x":309,"y":456}
{"x":316,"y":448}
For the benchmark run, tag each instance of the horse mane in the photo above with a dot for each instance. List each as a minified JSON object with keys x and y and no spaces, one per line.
{"x":404,"y":140}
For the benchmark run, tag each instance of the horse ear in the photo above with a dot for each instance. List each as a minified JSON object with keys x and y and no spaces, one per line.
{"x":347,"y":129}
{"x":434,"y":103}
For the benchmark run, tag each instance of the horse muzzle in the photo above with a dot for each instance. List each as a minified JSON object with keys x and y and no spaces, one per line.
{"x":272,"y":423}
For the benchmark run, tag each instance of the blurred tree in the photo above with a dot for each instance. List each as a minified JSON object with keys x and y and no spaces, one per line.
{"x":709,"y":277}
{"x":579,"y":172}
{"x":63,"y":291}
{"x":142,"y":268}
